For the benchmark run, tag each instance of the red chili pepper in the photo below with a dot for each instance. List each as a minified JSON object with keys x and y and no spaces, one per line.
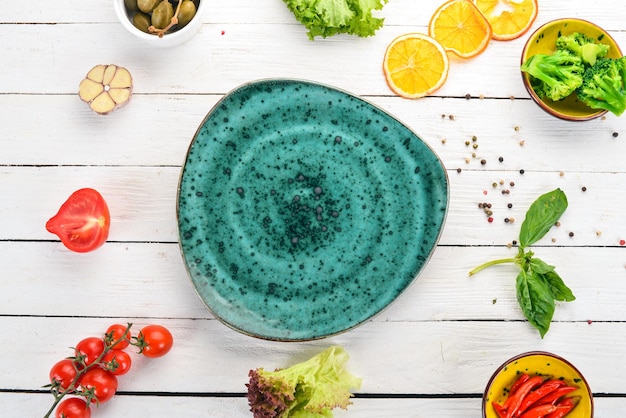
{"x":523,"y":378}
{"x":562,"y":408}
{"x":556,"y":395}
{"x":520,"y":380}
{"x":546,"y":388}
{"x":539,"y":411}
{"x":517,"y":399}
{"x":499,"y":409}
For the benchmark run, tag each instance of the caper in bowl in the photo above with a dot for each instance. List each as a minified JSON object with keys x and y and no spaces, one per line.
{"x":161,"y":22}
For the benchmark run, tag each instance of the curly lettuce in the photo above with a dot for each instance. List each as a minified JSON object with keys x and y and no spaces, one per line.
{"x":311,"y":389}
{"x":330,"y":17}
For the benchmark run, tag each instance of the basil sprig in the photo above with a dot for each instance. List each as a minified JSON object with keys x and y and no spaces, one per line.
{"x":538,"y":285}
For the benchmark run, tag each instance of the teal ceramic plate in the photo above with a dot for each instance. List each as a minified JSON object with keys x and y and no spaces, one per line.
{"x":304,"y":210}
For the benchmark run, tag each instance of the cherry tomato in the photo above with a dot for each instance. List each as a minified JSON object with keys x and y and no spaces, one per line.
{"x":82,"y":222}
{"x":104,"y":384}
{"x":63,"y":372}
{"x":73,"y":408}
{"x":155,"y":341}
{"x":90,"y":349}
{"x":114,"y":333}
{"x":117,"y":362}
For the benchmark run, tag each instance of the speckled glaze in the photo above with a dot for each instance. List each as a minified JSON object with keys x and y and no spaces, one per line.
{"x":304,"y":210}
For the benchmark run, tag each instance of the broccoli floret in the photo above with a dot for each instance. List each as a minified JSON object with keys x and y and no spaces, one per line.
{"x":583,"y":46}
{"x":603,"y":85}
{"x":555,"y":76}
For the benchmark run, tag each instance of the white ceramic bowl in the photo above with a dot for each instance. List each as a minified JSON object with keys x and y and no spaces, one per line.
{"x":169,"y":39}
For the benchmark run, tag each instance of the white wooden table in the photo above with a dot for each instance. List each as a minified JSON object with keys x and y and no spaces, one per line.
{"x":430,"y":353}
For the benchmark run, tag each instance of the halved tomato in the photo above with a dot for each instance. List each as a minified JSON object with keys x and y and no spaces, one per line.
{"x":82,"y":222}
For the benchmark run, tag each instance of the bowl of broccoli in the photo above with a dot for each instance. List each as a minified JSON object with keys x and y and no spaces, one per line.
{"x":574,"y":70}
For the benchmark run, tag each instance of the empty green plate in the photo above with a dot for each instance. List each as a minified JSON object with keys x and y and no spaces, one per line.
{"x":304,"y":210}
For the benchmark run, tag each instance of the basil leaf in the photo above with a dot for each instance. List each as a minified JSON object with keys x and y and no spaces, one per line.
{"x":558,"y":288}
{"x":535,"y":299}
{"x":539,"y":266}
{"x":541,"y":216}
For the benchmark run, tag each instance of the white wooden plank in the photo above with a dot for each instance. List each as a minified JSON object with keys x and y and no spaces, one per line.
{"x":151,"y":281}
{"x":124,"y":406}
{"x":396,"y":12}
{"x":134,"y":135}
{"x":212,"y":62}
{"x":142,"y":201}
{"x":438,"y":357}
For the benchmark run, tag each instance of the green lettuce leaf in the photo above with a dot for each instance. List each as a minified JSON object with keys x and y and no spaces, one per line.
{"x":330,"y":17}
{"x":311,"y":389}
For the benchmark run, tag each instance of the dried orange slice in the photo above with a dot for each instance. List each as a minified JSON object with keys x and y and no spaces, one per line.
{"x":106,"y":87}
{"x":415,"y":65}
{"x":509,"y":19}
{"x":461,"y":28}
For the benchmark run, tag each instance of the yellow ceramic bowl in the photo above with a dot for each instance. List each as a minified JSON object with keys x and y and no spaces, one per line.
{"x":537,"y":363}
{"x":543,"y":41}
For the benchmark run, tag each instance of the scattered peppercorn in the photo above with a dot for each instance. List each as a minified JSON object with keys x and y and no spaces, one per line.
{"x":557,"y":224}
{"x":468,"y":96}
{"x":561,"y":173}
{"x":467,"y":143}
{"x":458,"y":170}
{"x":512,"y":184}
{"x":584,"y":189}
{"x":506,"y":220}
{"x":475,"y":146}
{"x":571,"y":234}
{"x":622,"y":242}
{"x":490,"y":219}
{"x":474,"y":138}
{"x":495,"y":185}
{"x":483,"y":162}
{"x":615,"y":134}
{"x":516,"y":128}
{"x":514,"y":242}
{"x":510,"y":205}
{"x":521,"y":171}
{"x":451,"y":117}
{"x":500,"y":159}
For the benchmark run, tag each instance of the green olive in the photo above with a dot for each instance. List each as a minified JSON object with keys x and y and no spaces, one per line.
{"x":186,"y":13}
{"x":131,"y":5}
{"x":162,"y":14}
{"x":142,"y":21}
{"x":147,"y":6}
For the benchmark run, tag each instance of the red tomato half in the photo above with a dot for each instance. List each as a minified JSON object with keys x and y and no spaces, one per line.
{"x":82,"y":222}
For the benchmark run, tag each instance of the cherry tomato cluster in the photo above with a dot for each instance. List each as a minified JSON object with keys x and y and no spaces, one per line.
{"x":537,"y":397}
{"x":91,"y":374}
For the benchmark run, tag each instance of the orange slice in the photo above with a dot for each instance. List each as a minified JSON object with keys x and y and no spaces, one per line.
{"x":415,"y":65}
{"x":509,"y":19}
{"x":461,"y":28}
